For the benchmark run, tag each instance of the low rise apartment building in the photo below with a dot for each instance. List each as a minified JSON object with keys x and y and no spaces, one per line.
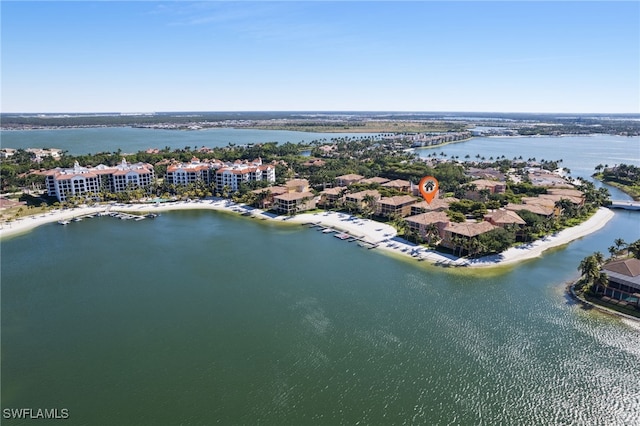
{"x":399,"y":205}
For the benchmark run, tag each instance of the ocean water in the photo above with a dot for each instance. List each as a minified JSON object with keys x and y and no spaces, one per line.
{"x":202,"y":317}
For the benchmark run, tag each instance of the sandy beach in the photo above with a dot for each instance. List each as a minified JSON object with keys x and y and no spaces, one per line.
{"x":383,"y":236}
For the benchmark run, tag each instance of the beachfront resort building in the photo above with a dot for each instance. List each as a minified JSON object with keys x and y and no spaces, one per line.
{"x":90,"y":181}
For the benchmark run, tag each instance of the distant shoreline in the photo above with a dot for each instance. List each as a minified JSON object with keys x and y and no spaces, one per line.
{"x":370,"y":232}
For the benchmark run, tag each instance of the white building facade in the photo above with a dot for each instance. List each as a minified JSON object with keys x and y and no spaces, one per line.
{"x":88,"y":182}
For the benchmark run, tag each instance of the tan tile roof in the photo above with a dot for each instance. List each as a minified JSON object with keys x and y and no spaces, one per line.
{"x":296,"y":182}
{"x":398,"y":183}
{"x":505,"y":217}
{"x":533,"y":208}
{"x":628,"y":267}
{"x":436,"y":203}
{"x":360,"y":195}
{"x":565,"y":191}
{"x":334,"y":191}
{"x":350,"y":176}
{"x":469,"y":229}
{"x":275,"y":190}
{"x":538,"y":201}
{"x":375,"y":179}
{"x":429,"y":218}
{"x":294,"y":196}
{"x":555,"y":198}
{"x":397,"y":200}
{"x":485,"y":183}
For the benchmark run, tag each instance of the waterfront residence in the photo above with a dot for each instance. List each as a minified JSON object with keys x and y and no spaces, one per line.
{"x":264,"y":196}
{"x":7,"y":152}
{"x":457,"y":234}
{"x":567,"y":192}
{"x":399,"y":205}
{"x":90,"y":181}
{"x":504,"y":218}
{"x":429,"y":226}
{"x":624,"y":280}
{"x":541,"y":177}
{"x":358,"y":198}
{"x":541,"y":210}
{"x":507,"y":219}
{"x":40,"y":153}
{"x":332,"y":197}
{"x":294,"y":202}
{"x":346,"y":180}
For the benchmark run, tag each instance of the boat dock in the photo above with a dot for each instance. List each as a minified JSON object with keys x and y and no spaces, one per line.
{"x":118,"y":215}
{"x":341,"y":235}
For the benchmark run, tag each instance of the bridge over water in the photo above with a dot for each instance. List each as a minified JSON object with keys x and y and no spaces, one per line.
{"x":627,"y":205}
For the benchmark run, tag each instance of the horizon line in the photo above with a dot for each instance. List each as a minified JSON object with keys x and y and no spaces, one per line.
{"x":133,"y":113}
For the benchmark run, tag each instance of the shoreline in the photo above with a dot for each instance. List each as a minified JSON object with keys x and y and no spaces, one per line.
{"x":630,"y":320}
{"x":380,"y":235}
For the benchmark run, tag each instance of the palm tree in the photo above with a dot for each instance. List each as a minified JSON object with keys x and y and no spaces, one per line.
{"x":430,"y":231}
{"x":601,"y":280}
{"x":590,"y":269}
{"x":369,"y":205}
{"x":619,"y":243}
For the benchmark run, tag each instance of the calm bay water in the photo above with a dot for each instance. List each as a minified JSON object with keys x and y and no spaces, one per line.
{"x":581,"y":154}
{"x":110,"y":139}
{"x":201,"y":318}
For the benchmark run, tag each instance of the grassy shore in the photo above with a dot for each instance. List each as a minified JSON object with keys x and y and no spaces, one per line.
{"x":366,"y":127}
{"x":632,"y":191}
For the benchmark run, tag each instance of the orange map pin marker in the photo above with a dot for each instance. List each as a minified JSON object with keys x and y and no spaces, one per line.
{"x":428,"y":188}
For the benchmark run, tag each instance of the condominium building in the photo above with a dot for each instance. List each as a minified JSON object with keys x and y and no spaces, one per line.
{"x":227,"y":176}
{"x":232,"y":175}
{"x":186,"y":173}
{"x":90,"y":181}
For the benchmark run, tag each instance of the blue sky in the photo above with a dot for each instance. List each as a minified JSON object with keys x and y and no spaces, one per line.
{"x":507,"y":56}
